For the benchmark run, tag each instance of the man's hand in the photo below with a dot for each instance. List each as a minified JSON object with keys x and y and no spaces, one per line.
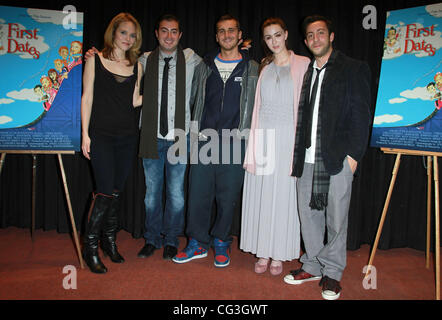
{"x":353,"y":164}
{"x":246,"y":44}
{"x":90,"y":53}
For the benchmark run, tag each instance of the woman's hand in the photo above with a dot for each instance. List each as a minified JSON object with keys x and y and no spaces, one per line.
{"x":86,"y":146}
{"x":90,"y":53}
{"x":137,"y":99}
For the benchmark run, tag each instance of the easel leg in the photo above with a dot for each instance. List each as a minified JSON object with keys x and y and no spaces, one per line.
{"x":384,"y":213}
{"x":429,"y":183}
{"x":34,"y":182}
{"x":2,"y":160}
{"x":74,"y":228}
{"x":436,"y":225}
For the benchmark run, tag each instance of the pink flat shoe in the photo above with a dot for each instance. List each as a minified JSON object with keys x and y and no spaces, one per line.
{"x":261,"y":267}
{"x":276,"y":268}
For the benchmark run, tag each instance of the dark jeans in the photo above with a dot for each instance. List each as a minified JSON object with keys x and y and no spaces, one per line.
{"x":112,"y":158}
{"x":208,"y":183}
{"x":163,"y":226}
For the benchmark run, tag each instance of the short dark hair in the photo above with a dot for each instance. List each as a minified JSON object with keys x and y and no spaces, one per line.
{"x":225,"y":18}
{"x":168,"y":17}
{"x":313,"y":18}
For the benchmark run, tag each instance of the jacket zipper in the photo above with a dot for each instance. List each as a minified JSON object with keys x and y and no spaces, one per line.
{"x":224,"y":90}
{"x":222,"y":97}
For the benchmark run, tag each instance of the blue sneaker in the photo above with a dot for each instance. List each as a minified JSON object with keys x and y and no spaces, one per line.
{"x":192,"y":251}
{"x":222,"y":249}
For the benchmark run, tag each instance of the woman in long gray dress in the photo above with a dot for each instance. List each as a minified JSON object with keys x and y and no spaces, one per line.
{"x":270,"y":224}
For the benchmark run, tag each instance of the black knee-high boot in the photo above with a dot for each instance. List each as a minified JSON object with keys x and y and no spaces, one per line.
{"x":100,"y":205}
{"x":110,"y":228}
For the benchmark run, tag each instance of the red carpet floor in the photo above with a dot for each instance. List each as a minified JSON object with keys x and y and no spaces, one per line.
{"x":33,"y":270}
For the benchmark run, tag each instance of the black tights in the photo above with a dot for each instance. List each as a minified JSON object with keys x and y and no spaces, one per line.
{"x":112,"y":158}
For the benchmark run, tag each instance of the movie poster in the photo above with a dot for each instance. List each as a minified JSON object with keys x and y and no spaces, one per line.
{"x":409,"y":107}
{"x":40,"y":82}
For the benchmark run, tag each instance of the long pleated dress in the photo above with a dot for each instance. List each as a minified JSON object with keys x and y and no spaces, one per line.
{"x":270,"y":223}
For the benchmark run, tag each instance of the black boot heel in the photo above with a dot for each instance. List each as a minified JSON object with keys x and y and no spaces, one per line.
{"x":111,"y":251}
{"x":94,"y":263}
{"x":100,"y":204}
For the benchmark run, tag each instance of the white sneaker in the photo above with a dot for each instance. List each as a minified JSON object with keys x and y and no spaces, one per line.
{"x":331,"y":289}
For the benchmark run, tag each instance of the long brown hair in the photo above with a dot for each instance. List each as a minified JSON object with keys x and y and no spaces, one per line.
{"x":269,"y":54}
{"x":109,"y":35}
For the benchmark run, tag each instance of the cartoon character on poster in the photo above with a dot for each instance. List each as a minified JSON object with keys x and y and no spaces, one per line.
{"x":42,"y":97}
{"x":64,"y":53}
{"x":391,"y":42}
{"x":62,"y":68}
{"x":434,"y":91}
{"x":76,"y":53}
{"x":1,"y":37}
{"x":438,"y":80}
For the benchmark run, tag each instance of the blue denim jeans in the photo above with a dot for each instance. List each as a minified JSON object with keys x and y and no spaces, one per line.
{"x":214,"y":183}
{"x":164,"y":225}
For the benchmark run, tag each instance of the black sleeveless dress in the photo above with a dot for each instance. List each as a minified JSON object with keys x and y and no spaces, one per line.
{"x":112,"y":108}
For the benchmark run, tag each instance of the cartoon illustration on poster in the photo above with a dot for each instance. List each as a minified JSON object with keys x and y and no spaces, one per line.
{"x":40,"y":86}
{"x":409,"y":108}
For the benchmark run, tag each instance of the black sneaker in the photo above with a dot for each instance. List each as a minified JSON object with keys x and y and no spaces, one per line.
{"x":169,"y":252}
{"x":147,"y":251}
{"x":331,"y":289}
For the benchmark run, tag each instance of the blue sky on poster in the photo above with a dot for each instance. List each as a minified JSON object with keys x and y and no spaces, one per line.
{"x":403,"y":98}
{"x":19,"y":104}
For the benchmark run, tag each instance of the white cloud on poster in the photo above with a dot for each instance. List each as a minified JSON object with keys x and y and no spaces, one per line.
{"x":397,"y":100}
{"x":6,"y":101}
{"x":14,"y":45}
{"x":55,"y":17}
{"x":23,"y":94}
{"x":5,"y":119}
{"x":435,"y":10}
{"x":387,"y":118}
{"x":416,"y":93}
{"x":77,"y":33}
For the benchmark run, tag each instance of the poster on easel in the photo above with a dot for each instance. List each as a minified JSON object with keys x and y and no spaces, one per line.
{"x":40,"y":82}
{"x":408,"y":111}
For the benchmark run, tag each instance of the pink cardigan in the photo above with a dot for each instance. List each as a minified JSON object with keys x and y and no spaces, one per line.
{"x":298,"y":66}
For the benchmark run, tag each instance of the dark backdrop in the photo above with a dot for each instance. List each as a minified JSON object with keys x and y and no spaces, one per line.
{"x":405,"y":225}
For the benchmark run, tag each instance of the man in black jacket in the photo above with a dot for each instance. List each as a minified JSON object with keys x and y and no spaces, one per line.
{"x":332,"y":134}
